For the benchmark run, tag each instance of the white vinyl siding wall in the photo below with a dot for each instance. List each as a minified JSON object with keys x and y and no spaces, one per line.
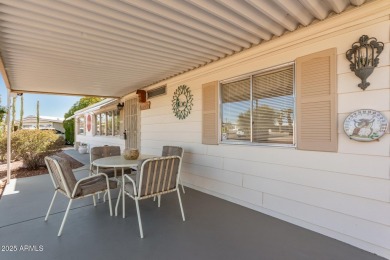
{"x":343,"y":194}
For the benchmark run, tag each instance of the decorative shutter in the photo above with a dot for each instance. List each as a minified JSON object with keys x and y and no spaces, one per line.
{"x":210,"y":113}
{"x":317,"y":101}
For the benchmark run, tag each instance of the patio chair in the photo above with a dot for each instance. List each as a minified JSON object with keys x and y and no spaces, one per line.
{"x":156,"y":177}
{"x":65,"y":182}
{"x":171,"y":151}
{"x":98,"y":152}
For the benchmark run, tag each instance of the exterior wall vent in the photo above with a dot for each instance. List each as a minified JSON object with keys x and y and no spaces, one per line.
{"x":162,"y":90}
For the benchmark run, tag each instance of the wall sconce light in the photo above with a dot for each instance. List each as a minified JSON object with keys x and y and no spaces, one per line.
{"x":364,"y":58}
{"x":120,"y":106}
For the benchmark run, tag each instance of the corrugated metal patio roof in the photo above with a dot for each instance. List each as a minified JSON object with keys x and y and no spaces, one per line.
{"x":111,"y":48}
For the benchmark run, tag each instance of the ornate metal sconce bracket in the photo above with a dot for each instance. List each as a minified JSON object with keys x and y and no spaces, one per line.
{"x":120,"y":106}
{"x":363,"y":57}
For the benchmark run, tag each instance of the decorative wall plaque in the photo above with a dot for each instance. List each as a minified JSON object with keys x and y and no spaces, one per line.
{"x":182,"y":102}
{"x":365,"y":125}
{"x":89,"y":123}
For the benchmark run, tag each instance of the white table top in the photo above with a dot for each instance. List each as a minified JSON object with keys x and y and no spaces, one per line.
{"x":119,"y":161}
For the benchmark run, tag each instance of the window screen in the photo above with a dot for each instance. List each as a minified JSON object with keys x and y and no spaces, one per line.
{"x":236,"y":110}
{"x":273,"y":107}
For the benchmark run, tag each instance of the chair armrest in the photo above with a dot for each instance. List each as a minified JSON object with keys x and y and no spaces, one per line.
{"x":88,"y":178}
{"x":132,"y":181}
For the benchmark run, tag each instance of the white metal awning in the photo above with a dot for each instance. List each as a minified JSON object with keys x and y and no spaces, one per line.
{"x":111,"y":48}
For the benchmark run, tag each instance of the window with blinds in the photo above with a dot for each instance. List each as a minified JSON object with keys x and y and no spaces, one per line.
{"x":236,"y":110}
{"x":81,"y":125}
{"x":259,"y":108}
{"x":103,"y":129}
{"x":107,"y":123}
{"x":110,"y":122}
{"x":97,"y":124}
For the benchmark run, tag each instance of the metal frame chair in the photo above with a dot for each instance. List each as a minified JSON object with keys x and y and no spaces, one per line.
{"x":65,"y":182}
{"x":157,"y":176}
{"x":171,"y":151}
{"x":98,"y":152}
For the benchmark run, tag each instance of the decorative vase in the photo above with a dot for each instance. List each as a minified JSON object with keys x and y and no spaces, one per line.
{"x":83,"y":149}
{"x":131,"y":154}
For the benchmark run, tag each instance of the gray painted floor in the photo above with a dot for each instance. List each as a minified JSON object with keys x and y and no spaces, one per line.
{"x":214,"y":229}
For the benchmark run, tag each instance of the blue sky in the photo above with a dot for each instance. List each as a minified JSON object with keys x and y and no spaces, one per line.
{"x":50,"y":105}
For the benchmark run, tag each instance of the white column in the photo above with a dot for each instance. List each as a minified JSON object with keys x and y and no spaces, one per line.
{"x":8,"y":120}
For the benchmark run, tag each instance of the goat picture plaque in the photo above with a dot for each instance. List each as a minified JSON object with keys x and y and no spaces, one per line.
{"x":365,"y":125}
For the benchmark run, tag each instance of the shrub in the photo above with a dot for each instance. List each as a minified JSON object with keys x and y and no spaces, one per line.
{"x":33,"y":145}
{"x":3,"y":149}
{"x":3,"y":112}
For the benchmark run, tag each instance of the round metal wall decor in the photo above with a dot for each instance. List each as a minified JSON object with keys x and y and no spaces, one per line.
{"x":365,"y":125}
{"x":182,"y":102}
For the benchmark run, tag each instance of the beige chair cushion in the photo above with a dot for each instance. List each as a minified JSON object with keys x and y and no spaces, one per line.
{"x":104,"y":151}
{"x":98,"y":152}
{"x":86,"y":187}
{"x":69,"y":178}
{"x":172,"y":150}
{"x":94,"y":185}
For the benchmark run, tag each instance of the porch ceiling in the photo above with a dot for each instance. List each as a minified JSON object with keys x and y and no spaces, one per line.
{"x":111,"y":48}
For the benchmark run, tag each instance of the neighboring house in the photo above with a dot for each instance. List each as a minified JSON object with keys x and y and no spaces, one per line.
{"x":45,"y":122}
{"x":288,"y":155}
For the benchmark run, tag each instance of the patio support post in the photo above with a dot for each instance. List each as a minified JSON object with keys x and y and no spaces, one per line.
{"x":8,"y":120}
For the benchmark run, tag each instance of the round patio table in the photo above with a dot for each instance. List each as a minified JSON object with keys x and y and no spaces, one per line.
{"x":119,"y":162}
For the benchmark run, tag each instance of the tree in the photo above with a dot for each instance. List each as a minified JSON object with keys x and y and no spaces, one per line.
{"x":13,"y":113}
{"x":38,"y":114}
{"x":3,"y":112}
{"x":21,"y":112}
{"x":69,"y":124}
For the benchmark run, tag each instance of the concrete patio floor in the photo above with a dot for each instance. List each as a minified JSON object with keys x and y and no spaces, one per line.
{"x":214,"y":229}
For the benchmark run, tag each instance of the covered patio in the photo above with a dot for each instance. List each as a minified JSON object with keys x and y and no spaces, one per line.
{"x":292,"y":185}
{"x":214,"y":229}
